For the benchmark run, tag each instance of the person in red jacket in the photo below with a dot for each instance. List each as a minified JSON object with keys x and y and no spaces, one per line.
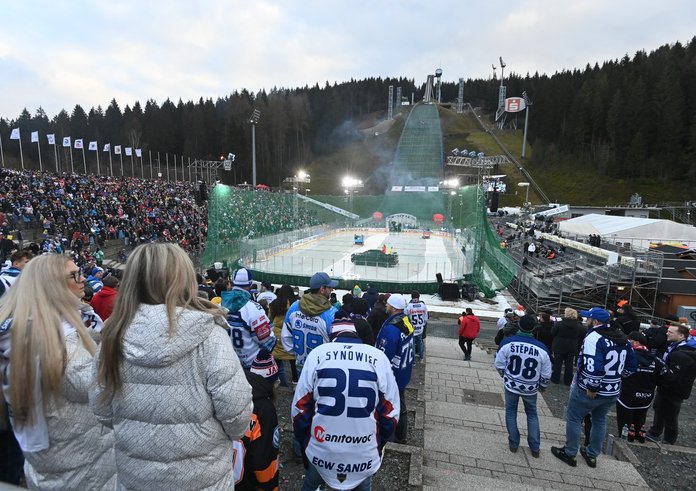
{"x":103,"y":301}
{"x":469,"y":327}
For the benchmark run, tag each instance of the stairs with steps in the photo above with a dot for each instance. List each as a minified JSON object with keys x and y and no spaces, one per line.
{"x":465,"y":440}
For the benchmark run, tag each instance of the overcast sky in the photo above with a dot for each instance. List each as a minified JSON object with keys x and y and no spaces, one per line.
{"x":58,"y":54}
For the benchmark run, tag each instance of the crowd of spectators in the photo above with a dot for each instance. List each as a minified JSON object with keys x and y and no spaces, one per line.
{"x":81,"y":213}
{"x":252,"y":214}
{"x":77,"y":212}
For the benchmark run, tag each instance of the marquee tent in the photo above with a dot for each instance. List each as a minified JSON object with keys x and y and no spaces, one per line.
{"x":638,"y":231}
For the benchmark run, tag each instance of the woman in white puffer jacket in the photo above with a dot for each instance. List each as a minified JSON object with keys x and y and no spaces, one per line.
{"x":168,"y":379}
{"x":46,"y":357}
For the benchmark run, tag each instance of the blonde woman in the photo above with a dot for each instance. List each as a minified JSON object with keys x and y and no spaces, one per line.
{"x":46,"y":357}
{"x":168,"y":380}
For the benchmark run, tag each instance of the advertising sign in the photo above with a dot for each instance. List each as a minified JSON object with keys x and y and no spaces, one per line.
{"x":514,"y":104}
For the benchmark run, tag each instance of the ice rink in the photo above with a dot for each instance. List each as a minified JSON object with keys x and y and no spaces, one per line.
{"x":419,"y":259}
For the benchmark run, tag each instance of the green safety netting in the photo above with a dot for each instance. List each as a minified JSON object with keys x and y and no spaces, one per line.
{"x":235,"y":215}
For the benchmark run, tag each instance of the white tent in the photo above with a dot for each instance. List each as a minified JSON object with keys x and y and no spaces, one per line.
{"x":638,"y":231}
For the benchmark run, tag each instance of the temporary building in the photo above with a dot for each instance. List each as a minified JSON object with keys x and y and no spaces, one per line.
{"x":641,"y":232}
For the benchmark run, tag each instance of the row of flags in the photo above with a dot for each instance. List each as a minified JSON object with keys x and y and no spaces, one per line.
{"x":78,"y":143}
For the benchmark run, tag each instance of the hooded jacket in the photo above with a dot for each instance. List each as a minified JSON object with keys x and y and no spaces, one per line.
{"x":307,"y":325}
{"x":183,"y":401}
{"x":604,"y":357}
{"x":103,"y":301}
{"x":250,"y":327}
{"x":79,"y":453}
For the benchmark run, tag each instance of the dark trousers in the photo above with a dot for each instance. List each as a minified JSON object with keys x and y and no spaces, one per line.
{"x":626,"y":416}
{"x":11,"y":458}
{"x":558,"y":361}
{"x":402,"y":427}
{"x":666,"y":417}
{"x":465,"y":345}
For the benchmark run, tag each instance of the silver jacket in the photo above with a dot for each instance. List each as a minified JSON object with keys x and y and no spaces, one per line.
{"x":80,"y":453}
{"x":183,"y":401}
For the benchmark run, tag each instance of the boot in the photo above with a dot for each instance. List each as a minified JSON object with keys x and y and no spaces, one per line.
{"x":631,"y":433}
{"x":641,"y":435}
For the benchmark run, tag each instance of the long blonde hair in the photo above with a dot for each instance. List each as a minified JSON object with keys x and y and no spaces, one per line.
{"x":155,"y":274}
{"x":37,"y":304}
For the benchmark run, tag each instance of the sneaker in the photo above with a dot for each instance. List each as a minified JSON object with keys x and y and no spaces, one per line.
{"x":512,"y":449}
{"x":535,"y":454}
{"x":559,"y":453}
{"x":591,"y":461}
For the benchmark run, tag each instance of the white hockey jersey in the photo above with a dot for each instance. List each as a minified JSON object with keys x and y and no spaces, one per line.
{"x":417,"y":313}
{"x":346,"y":406}
{"x":524,"y":364}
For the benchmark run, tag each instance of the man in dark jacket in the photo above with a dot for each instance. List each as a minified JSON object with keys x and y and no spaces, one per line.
{"x":358,"y":314}
{"x":371,"y":295}
{"x":657,"y":335}
{"x":378,"y":314}
{"x":638,"y":389}
{"x":681,"y":359}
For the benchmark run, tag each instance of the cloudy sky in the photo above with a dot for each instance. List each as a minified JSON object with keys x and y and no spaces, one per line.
{"x":58,"y":54}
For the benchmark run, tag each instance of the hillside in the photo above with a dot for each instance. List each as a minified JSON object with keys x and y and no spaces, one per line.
{"x":562,"y":178}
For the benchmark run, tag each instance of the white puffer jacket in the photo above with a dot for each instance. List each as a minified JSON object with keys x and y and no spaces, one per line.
{"x":80,"y":453}
{"x":184,"y":400}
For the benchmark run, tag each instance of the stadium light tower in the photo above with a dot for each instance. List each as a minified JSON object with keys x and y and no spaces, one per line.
{"x":256,"y":115}
{"x":528,"y":103}
{"x":350,"y":184}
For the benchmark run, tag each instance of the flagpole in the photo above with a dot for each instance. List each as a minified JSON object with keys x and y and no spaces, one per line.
{"x":159,"y":167}
{"x":142,"y":170}
{"x":55,"y":153}
{"x":84,"y":159}
{"x":97,"y":152}
{"x":2,"y":154}
{"x":72,"y":165}
{"x":174,"y":167}
{"x":111,"y":162}
{"x":121,"y":155}
{"x":149,"y":152}
{"x":38,"y":146}
{"x":132,"y":168}
{"x":167,"y":166}
{"x":21,"y":155}
{"x":189,"y":169}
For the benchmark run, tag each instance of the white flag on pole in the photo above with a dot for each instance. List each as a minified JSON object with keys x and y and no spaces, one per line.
{"x":66,"y":141}
{"x":93,"y":146}
{"x":129,"y":152}
{"x":139,"y":152}
{"x":117,"y":149}
{"x":107,"y":147}
{"x":78,"y":143}
{"x":51,"y":139}
{"x":15,"y":134}
{"x":34,"y":136}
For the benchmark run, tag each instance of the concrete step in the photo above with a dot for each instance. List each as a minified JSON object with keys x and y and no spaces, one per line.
{"x":485,"y":454}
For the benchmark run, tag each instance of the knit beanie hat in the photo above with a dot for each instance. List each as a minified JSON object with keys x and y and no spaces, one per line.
{"x":265,"y":365}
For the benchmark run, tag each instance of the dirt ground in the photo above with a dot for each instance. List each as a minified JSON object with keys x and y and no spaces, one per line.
{"x":392,"y":475}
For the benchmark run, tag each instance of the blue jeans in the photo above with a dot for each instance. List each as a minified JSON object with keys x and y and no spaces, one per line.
{"x":313,"y":480}
{"x":579,"y":405}
{"x":419,"y":345}
{"x":530,"y":408}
